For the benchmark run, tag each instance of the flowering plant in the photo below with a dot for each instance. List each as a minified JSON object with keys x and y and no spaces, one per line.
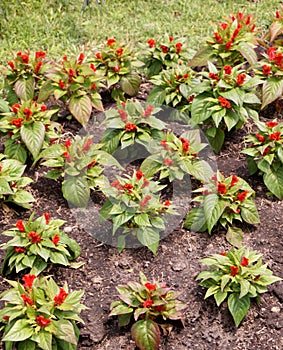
{"x":117,"y":63}
{"x":35,"y":243}
{"x":80,"y":162}
{"x":275,"y":29}
{"x":176,"y":156}
{"x":39,"y":314}
{"x":146,"y":302}
{"x":24,"y":76}
{"x":223,"y":200}
{"x":131,"y":123}
{"x":12,"y":183}
{"x":134,"y":205}
{"x":237,"y":275}
{"x":265,"y":155}
{"x":233,"y":42}
{"x":28,"y":129}
{"x":224,"y":100}
{"x":163,"y":53}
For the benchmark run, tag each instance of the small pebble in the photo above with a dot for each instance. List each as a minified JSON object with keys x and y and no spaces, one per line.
{"x":275,"y":309}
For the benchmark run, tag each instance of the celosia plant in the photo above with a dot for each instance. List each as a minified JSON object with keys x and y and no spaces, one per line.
{"x":223,"y":201}
{"x":237,"y":275}
{"x":37,"y":243}
{"x":39,"y":314}
{"x":145,"y":302}
{"x":265,"y":155}
{"x":135,"y":208}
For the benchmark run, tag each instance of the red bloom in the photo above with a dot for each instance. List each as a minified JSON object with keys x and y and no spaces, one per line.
{"x":148,"y":111}
{"x":223,"y":102}
{"x":40,"y":54}
{"x":242,"y":196}
{"x":68,"y":143}
{"x":6,"y":318}
{"x":28,"y":113}
{"x":98,"y":56}
{"x":116,"y":184}
{"x":60,"y":297}
{"x":91,"y":164}
{"x":47,"y":217}
{"x":20,"y":226}
{"x":234,"y":180}
{"x":87,"y":145}
{"x":235,"y":34}
{"x":37,"y":67}
{"x":163,"y":143}
{"x":120,"y":51}
{"x":15,"y":108}
{"x":28,"y":280}
{"x":130,"y":127}
{"x":178,"y":47}
{"x":151,"y":42}
{"x":81,"y":58}
{"x":128,"y":187}
{"x":275,"y":136}
{"x":266,"y":70}
{"x":92,"y":66}
{"x":43,"y":108}
{"x":147,"y":303}
{"x":71,"y":73}
{"x":271,"y":124}
{"x":159,"y":308}
{"x":42,"y":322}
{"x":224,"y":26}
{"x":277,"y":14}
{"x":228,"y":45}
{"x":266,"y":151}
{"x":168,"y":162}
{"x":67,"y":156}
{"x":116,"y":69}
{"x":25,"y":58}
{"x":19,"y":249}
{"x":139,"y":174}
{"x":185,"y":76}
{"x":123,"y":114}
{"x":65,"y":58}
{"x":145,"y":183}
{"x":171,"y":38}
{"x":245,"y":261}
{"x":218,"y":38}
{"x":167,"y":203}
{"x":241,"y":78}
{"x":191,"y":98}
{"x":11,"y":64}
{"x":248,"y":21}
{"x":62,"y":84}
{"x":223,"y":253}
{"x":234,"y":270}
{"x":27,"y":300}
{"x":271,"y":53}
{"x":227,"y":69}
{"x":213,"y":76}
{"x":260,"y":137}
{"x":111,"y":41}
{"x":164,"y":48}
{"x":17,"y":122}
{"x":145,"y":201}
{"x":221,"y":188}
{"x":34,"y":237}
{"x":278,"y":59}
{"x":150,"y":286}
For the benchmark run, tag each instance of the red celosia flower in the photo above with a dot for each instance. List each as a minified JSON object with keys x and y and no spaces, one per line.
{"x":150,"y":286}
{"x":130,"y":127}
{"x":47,"y":217}
{"x":62,"y":84}
{"x":242,"y":196}
{"x":19,"y":249}
{"x":123,"y":114}
{"x":227,"y":70}
{"x":34,"y":237}
{"x":167,"y":203}
{"x":266,"y":151}
{"x":28,"y":280}
{"x":67,"y":156}
{"x":17,"y":122}
{"x":93,"y":86}
{"x":168,"y":161}
{"x":260,"y":137}
{"x":223,"y":102}
{"x":60,"y":297}
{"x":151,"y":42}
{"x":20,"y":226}
{"x":234,"y":270}
{"x":68,"y":143}
{"x":92,"y":66}
{"x":218,"y":38}
{"x":15,"y":108}
{"x":120,"y":51}
{"x":116,"y":69}
{"x":159,"y":308}
{"x":128,"y":187}
{"x":213,"y":76}
{"x":224,"y":26}
{"x":221,"y":188}
{"x":277,"y":14}
{"x":111,"y":41}
{"x":271,"y":53}
{"x":148,"y":111}
{"x":241,"y":78}
{"x":145,"y":201}
{"x":234,"y":180}
{"x":185,"y":76}
{"x":6,"y":318}
{"x":266,"y":70}
{"x":43,"y":108}
{"x":28,"y":113}
{"x":25,"y":58}
{"x":235,"y":34}
{"x":81,"y":58}
{"x":278,"y":59}
{"x":27,"y":300}
{"x":164,"y":48}
{"x":91,"y":164}
{"x":178,"y":47}
{"x":145,"y":183}
{"x":65,"y":58}
{"x":147,"y":303}
{"x":271,"y":124}
{"x":42,"y":322}
{"x":223,"y":253}
{"x":275,"y":136}
{"x":11,"y":64}
{"x":228,"y":45}
{"x":245,"y":261}
{"x":98,"y":56}
{"x":191,"y":98}
{"x":71,"y":73}
{"x":37,"y":67}
{"x":116,"y":184}
{"x":252,"y":28}
{"x":163,"y":143}
{"x":171,"y":38}
{"x":139,"y":174}
{"x":87,"y":145}
{"x":40,"y":54}
{"x":248,"y":20}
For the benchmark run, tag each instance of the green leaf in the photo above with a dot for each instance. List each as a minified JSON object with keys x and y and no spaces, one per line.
{"x":26,"y":345}
{"x":124,"y":320}
{"x":275,"y":29}
{"x":130,"y":84}
{"x":146,"y":334}
{"x":120,"y":310}
{"x":274,"y":182}
{"x":216,"y":138}
{"x":45,"y":340}
{"x":220,"y":297}
{"x":33,"y":137}
{"x":201,"y":57}
{"x":245,"y":286}
{"x":76,"y":191}
{"x":24,"y":88}
{"x":213,"y":209}
{"x":196,"y":220}
{"x":238,"y":307}
{"x":5,"y":187}
{"x":45,"y":91}
{"x":200,"y":108}
{"x":247,"y":51}
{"x":15,"y":150}
{"x":271,"y":90}
{"x":20,"y":331}
{"x":249,"y":213}
{"x":234,"y":236}
{"x":81,"y":108}
{"x":149,"y":238}
{"x":157,"y":95}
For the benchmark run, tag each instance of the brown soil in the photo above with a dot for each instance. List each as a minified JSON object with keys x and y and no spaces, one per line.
{"x":176,"y":263}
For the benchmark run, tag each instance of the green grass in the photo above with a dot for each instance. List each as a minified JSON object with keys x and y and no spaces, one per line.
{"x":60,"y":27}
